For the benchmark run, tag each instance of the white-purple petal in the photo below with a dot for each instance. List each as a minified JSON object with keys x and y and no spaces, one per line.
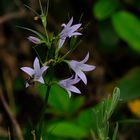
{"x":75,"y":80}
{"x":28,"y":70}
{"x":61,"y":42}
{"x":74,"y":27}
{"x":66,"y":82}
{"x":69,"y":93}
{"x":43,"y":69}
{"x":41,"y":80}
{"x":75,"y":34}
{"x":36,"y":64}
{"x":74,"y":89}
{"x":70,"y":22}
{"x":27,"y":84}
{"x":85,"y":59}
{"x":86,"y":67}
{"x":73,"y":64}
{"x":82,"y":76}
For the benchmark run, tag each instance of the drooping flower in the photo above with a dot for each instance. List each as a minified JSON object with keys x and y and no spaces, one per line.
{"x":68,"y":31}
{"x":80,"y":67}
{"x":34,"y":40}
{"x":36,"y":72}
{"x":68,"y":85}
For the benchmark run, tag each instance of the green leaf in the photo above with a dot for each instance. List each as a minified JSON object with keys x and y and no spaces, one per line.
{"x":108,"y":38}
{"x":75,"y":104}
{"x":42,"y":90}
{"x":41,"y":36}
{"x":103,"y":112}
{"x":115,"y":132}
{"x":130,"y":85}
{"x":114,"y":102}
{"x":59,"y":99}
{"x":67,"y":129}
{"x":127,"y":26}
{"x":86,"y":119}
{"x":104,"y":8}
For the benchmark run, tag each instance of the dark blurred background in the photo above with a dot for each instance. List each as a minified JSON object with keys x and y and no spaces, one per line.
{"x":112,"y":36}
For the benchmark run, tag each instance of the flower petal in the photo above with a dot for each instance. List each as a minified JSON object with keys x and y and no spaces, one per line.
{"x":36,"y":64}
{"x":61,"y":42}
{"x":69,"y":93}
{"x":74,"y":27}
{"x":41,"y":80}
{"x":27,"y":84}
{"x":85,"y":59}
{"x":43,"y":69}
{"x":75,"y":80}
{"x":65,"y":82}
{"x":73,"y":64}
{"x":69,"y":23}
{"x":66,"y":27}
{"x":74,"y":89}
{"x":28,"y":70}
{"x":75,"y":34}
{"x":82,"y":76}
{"x":86,"y":67}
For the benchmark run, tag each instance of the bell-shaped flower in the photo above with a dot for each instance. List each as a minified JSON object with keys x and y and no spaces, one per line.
{"x":68,"y":31}
{"x":68,"y":85}
{"x":34,"y":39}
{"x":80,"y":67}
{"x":36,"y":72}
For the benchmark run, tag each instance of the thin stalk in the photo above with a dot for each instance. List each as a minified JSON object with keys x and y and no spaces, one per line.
{"x":34,"y":47}
{"x":44,"y":107}
{"x":46,"y":22}
{"x":47,"y":35}
{"x":64,"y":56}
{"x":40,"y":126}
{"x":47,"y":7}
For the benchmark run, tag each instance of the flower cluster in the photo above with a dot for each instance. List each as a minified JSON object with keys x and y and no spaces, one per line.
{"x":79,"y":67}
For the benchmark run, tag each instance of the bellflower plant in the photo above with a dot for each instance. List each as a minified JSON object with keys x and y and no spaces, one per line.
{"x":53,"y":57}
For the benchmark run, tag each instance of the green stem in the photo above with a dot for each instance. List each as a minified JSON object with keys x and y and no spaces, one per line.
{"x":49,"y":85}
{"x":47,"y":96}
{"x":44,"y":108}
{"x":47,"y":35}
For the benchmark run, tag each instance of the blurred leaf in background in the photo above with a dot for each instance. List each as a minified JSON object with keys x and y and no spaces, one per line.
{"x":105,"y":8}
{"x":127,"y":25}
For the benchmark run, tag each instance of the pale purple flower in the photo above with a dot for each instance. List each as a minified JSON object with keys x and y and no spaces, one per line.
{"x":68,"y":31}
{"x":80,"y":67}
{"x":68,"y":85}
{"x":34,"y":40}
{"x":36,"y":72}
